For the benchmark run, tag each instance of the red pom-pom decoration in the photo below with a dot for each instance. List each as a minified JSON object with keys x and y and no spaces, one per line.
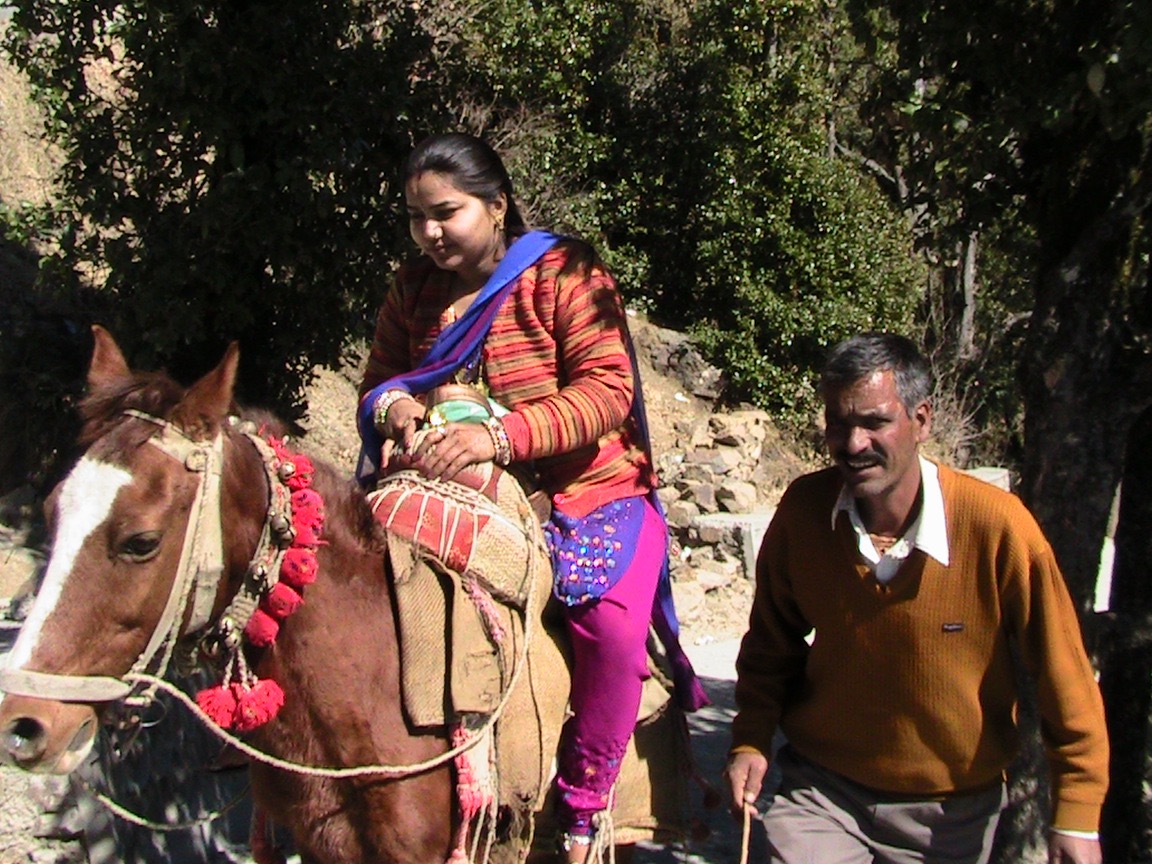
{"x":219,"y":703}
{"x":307,"y":535}
{"x":281,"y":601}
{"x":248,"y":703}
{"x":307,"y":503}
{"x":262,"y":629}
{"x":258,"y":704}
{"x":299,"y":567}
{"x":302,"y":479}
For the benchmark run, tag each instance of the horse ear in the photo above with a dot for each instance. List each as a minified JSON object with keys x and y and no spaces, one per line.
{"x":108,"y":364}
{"x":210,"y":398}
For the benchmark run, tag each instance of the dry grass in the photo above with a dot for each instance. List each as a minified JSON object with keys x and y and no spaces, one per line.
{"x":27,"y":164}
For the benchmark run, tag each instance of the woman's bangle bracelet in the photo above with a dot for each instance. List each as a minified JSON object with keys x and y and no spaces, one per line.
{"x":500,"y":442}
{"x":385,"y":401}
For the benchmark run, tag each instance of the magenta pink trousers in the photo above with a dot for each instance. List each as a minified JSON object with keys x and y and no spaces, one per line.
{"x":609,"y":665}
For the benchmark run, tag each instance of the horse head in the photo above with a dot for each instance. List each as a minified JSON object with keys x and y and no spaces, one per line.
{"x":109,"y":601}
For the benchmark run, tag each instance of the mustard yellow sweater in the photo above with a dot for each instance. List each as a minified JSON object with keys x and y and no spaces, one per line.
{"x":909,"y":688}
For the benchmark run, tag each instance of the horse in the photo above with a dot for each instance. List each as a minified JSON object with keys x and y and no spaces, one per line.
{"x":123,"y":593}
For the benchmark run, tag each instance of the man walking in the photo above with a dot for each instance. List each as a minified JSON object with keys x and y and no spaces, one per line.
{"x":911,"y":581}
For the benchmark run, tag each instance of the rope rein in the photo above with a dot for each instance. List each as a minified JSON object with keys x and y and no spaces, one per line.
{"x":129,"y":816}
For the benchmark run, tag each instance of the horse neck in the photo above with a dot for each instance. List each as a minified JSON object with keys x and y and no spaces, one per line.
{"x":244,"y":502}
{"x":349,"y":530}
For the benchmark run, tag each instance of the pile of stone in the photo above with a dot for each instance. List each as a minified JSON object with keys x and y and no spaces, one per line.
{"x":719,"y":492}
{"x":720,"y":482}
{"x":716,"y":477}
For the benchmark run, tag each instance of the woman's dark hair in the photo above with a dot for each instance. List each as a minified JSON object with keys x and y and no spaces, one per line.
{"x":860,"y":356}
{"x":474,"y":168}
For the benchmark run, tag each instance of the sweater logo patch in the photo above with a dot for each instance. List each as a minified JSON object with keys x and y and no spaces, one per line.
{"x":953,"y":627}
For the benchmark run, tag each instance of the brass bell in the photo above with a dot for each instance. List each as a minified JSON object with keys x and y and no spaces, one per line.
{"x":286,"y":471}
{"x":230,"y":635}
{"x":280,"y":525}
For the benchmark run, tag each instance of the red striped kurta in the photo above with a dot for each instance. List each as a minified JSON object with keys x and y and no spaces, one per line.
{"x":556,"y":356}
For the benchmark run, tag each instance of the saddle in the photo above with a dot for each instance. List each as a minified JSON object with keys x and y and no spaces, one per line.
{"x":464,"y":555}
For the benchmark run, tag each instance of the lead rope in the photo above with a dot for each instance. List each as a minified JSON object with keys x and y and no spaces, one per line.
{"x":129,"y":816}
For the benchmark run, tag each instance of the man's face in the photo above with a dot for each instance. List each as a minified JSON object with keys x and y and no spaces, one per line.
{"x":872,"y":438}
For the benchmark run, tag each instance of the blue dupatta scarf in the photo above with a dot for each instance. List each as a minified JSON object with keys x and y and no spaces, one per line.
{"x":456,"y":346}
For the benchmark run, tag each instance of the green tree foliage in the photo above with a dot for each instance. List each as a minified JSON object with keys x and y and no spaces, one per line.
{"x":230,"y":165}
{"x":227,"y":168}
{"x":790,"y":247}
{"x":689,"y":140}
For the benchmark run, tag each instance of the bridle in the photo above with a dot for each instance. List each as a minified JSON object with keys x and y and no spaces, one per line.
{"x":199,"y":572}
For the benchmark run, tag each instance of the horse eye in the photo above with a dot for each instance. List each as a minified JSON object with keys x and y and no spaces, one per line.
{"x":140,"y":547}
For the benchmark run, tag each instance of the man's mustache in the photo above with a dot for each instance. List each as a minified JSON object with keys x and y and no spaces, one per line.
{"x":860,"y":460}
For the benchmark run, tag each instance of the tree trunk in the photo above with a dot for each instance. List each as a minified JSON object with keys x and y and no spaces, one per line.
{"x":1086,"y":378}
{"x":1084,"y":382}
{"x":966,"y":336}
{"x":1127,"y":676}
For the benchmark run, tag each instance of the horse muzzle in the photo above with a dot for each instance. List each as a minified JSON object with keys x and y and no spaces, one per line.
{"x":45,"y":736}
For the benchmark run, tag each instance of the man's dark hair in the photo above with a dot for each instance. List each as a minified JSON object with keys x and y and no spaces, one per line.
{"x":860,"y":356}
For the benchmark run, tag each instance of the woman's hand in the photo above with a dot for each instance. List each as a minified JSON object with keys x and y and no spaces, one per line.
{"x":452,"y":447}
{"x":400,"y":424}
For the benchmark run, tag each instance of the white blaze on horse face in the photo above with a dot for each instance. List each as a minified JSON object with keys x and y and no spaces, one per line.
{"x":85,"y":501}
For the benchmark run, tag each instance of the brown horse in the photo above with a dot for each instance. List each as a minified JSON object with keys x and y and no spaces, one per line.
{"x":114,"y":600}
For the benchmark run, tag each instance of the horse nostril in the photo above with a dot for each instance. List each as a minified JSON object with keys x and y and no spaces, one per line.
{"x":23,"y":740}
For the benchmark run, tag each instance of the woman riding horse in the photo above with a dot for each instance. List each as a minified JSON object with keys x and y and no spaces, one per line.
{"x":534,"y":321}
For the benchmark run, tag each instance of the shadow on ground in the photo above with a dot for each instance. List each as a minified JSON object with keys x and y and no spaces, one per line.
{"x":710,"y":738}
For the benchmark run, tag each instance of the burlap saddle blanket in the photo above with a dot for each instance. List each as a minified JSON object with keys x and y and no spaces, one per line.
{"x":461,"y":554}
{"x":479,"y":634}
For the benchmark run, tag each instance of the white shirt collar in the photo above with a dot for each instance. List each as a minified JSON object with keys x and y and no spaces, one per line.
{"x":928,"y":533}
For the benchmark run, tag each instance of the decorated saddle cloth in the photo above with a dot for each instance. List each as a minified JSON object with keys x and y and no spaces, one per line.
{"x":467,"y":558}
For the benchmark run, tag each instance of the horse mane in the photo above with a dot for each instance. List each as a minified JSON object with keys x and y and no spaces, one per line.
{"x":338,"y":488}
{"x":152,"y":393}
{"x":346,"y":504}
